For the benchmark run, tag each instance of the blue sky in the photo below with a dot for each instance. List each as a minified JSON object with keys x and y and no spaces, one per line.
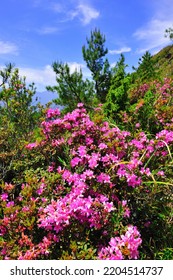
{"x":35,"y":33}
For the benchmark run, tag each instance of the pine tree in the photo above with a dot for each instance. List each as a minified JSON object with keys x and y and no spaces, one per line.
{"x":5,"y":73}
{"x":93,"y":55}
{"x":71,"y":87}
{"x":169,"y":33}
{"x":146,"y":70}
{"x":117,"y":97}
{"x":118,"y":72}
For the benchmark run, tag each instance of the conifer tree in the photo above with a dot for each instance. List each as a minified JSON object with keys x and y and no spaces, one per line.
{"x":117,"y":97}
{"x":146,"y":70}
{"x":169,"y":33}
{"x":93,"y":55}
{"x":71,"y":87}
{"x":5,"y":73}
{"x":118,"y":72}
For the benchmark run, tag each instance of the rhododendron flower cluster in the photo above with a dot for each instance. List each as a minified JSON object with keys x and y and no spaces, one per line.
{"x":123,"y":247}
{"x":59,"y":213}
{"x":92,"y":172}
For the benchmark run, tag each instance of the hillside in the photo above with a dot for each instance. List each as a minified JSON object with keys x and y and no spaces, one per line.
{"x":164,"y":61}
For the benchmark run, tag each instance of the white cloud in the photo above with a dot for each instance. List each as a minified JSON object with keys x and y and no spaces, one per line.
{"x":151,"y":35}
{"x":122,"y":50}
{"x":46,"y":76}
{"x":86,"y":13}
{"x":41,"y":77}
{"x":75,"y":66}
{"x":82,"y":11}
{"x":8,"y":48}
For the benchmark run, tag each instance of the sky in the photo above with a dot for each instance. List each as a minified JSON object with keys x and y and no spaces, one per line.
{"x":36,"y":33}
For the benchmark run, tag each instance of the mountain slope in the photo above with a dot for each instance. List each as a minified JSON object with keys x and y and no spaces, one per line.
{"x":163,"y":61}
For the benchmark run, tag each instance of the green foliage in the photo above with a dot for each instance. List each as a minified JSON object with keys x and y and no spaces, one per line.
{"x":165,"y":254}
{"x":33,"y":179}
{"x":158,"y":228}
{"x":146,"y":70}
{"x":163,"y":62}
{"x":18,"y":118}
{"x":117,"y":97}
{"x":71,"y":88}
{"x":150,"y":106}
{"x":119,"y":73}
{"x":93,"y":55}
{"x":169,"y":33}
{"x":5,"y":73}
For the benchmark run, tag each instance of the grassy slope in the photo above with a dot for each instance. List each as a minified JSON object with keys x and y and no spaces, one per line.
{"x":164,"y":61}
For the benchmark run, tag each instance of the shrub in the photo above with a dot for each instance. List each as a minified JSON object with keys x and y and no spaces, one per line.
{"x":96,"y":193}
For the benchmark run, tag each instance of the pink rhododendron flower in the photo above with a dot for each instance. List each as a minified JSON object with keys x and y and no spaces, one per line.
{"x":10,"y":203}
{"x":80,"y":105}
{"x":89,"y":140}
{"x":160,"y":173}
{"x":93,"y":161}
{"x":145,"y":171}
{"x":51,"y":167}
{"x":82,"y":151}
{"x":103,"y":178}
{"x":88,"y":174}
{"x":133,"y":180}
{"x":25,"y":209}
{"x":102,"y":146}
{"x":75,"y":161}
{"x":137,"y":125}
{"x":52,"y":113}
{"x":121,"y":172}
{"x":125,"y":246}
{"x":137,"y":144}
{"x":4,"y":196}
{"x":31,"y":146}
